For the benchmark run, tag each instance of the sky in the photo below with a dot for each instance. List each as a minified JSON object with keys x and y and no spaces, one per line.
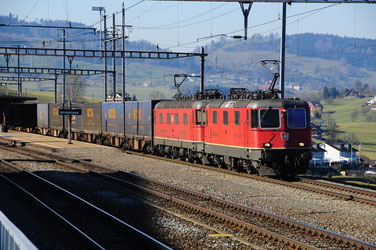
{"x":183,"y":26}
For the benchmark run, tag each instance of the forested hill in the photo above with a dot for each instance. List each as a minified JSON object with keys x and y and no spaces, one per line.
{"x":360,"y":52}
{"x":313,"y":60}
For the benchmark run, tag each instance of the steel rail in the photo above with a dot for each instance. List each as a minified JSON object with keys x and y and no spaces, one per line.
{"x":257,"y":231}
{"x":248,"y":227}
{"x":348,"y":241}
{"x":153,"y":242}
{"x":339,"y":187}
{"x":342,"y":196}
{"x":46,"y":207}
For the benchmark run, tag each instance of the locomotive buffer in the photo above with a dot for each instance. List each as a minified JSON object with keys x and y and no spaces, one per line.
{"x":70,"y":113}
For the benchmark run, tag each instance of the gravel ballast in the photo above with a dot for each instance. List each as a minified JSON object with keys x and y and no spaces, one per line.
{"x":345,"y":217}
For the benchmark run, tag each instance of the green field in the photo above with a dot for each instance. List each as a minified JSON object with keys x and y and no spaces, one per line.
{"x":340,"y":110}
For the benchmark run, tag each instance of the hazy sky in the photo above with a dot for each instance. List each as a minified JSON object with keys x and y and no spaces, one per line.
{"x":172,"y":24}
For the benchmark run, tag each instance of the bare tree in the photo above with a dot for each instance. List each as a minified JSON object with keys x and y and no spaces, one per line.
{"x":371,"y":118}
{"x":351,"y":138}
{"x":331,"y":128}
{"x":354,"y":115}
{"x":365,"y":110}
{"x":74,"y":88}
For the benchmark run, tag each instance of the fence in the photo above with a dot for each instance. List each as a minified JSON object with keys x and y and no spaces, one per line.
{"x":11,"y":238}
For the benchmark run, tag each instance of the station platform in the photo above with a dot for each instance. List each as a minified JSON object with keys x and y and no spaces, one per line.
{"x":49,"y":143}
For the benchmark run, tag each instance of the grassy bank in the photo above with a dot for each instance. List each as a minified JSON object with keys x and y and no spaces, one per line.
{"x":340,"y":110}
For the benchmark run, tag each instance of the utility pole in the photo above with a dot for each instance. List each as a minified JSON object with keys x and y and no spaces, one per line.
{"x":283,"y":50}
{"x":63,"y":68}
{"x":19,"y":92}
{"x":114,"y":58}
{"x":123,"y":56}
{"x":246,"y":14}
{"x":56,"y":88}
{"x":105,"y":53}
{"x":202,"y":70}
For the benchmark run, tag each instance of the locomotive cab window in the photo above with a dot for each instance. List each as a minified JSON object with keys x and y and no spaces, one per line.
{"x":237,"y":117}
{"x":185,"y":119}
{"x":200,"y":117}
{"x":225,"y":117}
{"x":215,"y":117}
{"x":160,"y":118}
{"x":296,"y":118}
{"x":207,"y":118}
{"x":247,"y":118}
{"x":254,"y":118}
{"x":176,"y":118}
{"x":168,"y":118}
{"x":270,"y":118}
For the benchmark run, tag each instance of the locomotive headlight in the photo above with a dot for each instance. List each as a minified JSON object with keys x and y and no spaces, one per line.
{"x":301,"y":144}
{"x":266,"y":145}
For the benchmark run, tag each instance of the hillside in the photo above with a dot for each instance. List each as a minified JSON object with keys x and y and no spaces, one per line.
{"x":340,"y":110}
{"x":313,"y":61}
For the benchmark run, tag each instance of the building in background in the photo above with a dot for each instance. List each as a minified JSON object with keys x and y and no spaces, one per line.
{"x":339,"y":153}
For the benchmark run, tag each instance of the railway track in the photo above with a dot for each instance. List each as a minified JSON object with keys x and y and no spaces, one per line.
{"x":343,"y":188}
{"x":96,"y":227}
{"x":239,"y":219}
{"x":342,"y":192}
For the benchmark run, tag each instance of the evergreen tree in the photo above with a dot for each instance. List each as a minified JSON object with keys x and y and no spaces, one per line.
{"x":333,"y":92}
{"x":325,"y":93}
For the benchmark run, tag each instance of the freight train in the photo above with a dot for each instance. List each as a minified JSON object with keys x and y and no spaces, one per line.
{"x":255,"y":132}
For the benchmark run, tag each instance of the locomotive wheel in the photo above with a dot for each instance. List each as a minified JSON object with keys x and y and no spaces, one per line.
{"x":229,"y":167}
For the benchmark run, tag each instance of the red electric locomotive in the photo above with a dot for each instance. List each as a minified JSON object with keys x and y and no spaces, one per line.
{"x":271,"y":136}
{"x":249,"y":131}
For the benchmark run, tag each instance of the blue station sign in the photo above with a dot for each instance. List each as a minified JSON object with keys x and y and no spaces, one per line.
{"x":67,"y":111}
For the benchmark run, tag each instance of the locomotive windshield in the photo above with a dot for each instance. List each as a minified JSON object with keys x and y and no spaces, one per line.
{"x":296,"y":118}
{"x":269,"y":118}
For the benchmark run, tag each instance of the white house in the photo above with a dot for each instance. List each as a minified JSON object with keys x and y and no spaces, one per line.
{"x":371,"y":101}
{"x":342,"y":153}
{"x":318,"y":156}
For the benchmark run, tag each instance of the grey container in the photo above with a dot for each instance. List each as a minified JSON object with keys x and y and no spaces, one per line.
{"x":56,"y":120}
{"x":76,"y":119}
{"x":139,"y":118}
{"x":42,"y":116}
{"x":92,"y":118}
{"x":113,"y":117}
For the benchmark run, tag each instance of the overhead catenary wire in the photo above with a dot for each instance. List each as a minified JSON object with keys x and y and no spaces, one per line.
{"x":173,"y":25}
{"x":256,"y":26}
{"x":31,"y":10}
